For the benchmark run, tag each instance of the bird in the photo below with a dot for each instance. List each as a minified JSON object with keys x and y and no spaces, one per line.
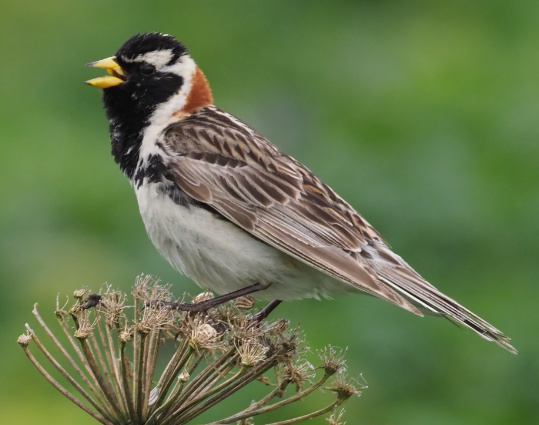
{"x":232,"y":211}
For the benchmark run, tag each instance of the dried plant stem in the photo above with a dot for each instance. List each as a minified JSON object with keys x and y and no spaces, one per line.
{"x":279,"y":389}
{"x":63,"y":350}
{"x":178,"y":390}
{"x":256,"y":370}
{"x":64,"y":373}
{"x":140,"y":395}
{"x":208,"y":391}
{"x":217,"y":372}
{"x":201,"y":377}
{"x":311,"y":415}
{"x":172,"y":369}
{"x":151,"y":359}
{"x":109,"y":347}
{"x":73,"y":364}
{"x":103,"y":373}
{"x":126,"y":374}
{"x":92,"y":386}
{"x":66,"y":393}
{"x":103,"y":385}
{"x":205,"y":391}
{"x":249,"y":412}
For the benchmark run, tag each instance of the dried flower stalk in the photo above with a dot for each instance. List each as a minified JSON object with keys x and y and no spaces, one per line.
{"x":108,"y":358}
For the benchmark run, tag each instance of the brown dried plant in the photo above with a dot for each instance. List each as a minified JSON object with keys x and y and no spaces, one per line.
{"x":108,"y":354}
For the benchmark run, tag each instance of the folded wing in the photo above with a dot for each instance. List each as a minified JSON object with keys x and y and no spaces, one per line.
{"x":225,"y":164}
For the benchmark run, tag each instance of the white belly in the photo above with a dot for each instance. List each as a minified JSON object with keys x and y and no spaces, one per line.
{"x":220,"y":256}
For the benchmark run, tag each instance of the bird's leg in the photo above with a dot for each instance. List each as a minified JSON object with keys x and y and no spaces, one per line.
{"x":213,"y":302}
{"x":262,"y":314}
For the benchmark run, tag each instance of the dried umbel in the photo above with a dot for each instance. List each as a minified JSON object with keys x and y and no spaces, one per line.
{"x":111,"y":349}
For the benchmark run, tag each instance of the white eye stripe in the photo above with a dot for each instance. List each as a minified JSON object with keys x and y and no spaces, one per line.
{"x":157,"y":58}
{"x":160,"y":59}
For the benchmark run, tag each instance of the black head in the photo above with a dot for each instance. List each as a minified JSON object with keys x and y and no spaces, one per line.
{"x":152,"y":69}
{"x":146,"y":72}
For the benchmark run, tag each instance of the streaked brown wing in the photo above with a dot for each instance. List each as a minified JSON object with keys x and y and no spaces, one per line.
{"x":224,"y":164}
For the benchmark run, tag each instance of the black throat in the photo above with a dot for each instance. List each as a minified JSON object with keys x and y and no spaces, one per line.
{"x":126,"y":126}
{"x":129,"y":107}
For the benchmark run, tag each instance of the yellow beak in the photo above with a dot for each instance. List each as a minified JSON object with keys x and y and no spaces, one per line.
{"x":115,"y":78}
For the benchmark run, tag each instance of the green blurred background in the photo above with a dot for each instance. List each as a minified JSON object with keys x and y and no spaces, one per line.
{"x":422,"y":114}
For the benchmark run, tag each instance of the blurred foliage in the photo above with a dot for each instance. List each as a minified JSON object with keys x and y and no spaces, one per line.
{"x":423,"y":115}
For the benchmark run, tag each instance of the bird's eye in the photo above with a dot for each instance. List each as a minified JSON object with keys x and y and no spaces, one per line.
{"x":147,"y":69}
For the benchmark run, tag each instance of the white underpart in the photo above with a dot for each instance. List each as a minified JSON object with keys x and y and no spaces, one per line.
{"x":217,"y":255}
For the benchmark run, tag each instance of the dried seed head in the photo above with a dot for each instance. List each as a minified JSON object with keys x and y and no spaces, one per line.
{"x":298,"y":372}
{"x":60,"y":312}
{"x":85,"y":326}
{"x":112,"y":306}
{"x":251,"y":352}
{"x":125,"y":335}
{"x":61,"y":315}
{"x":333,"y":359}
{"x":155,"y":317}
{"x":244,"y":303}
{"x":204,"y":296}
{"x":79,"y":293}
{"x":289,"y":345}
{"x":203,"y":335}
{"x":84,"y":332}
{"x":25,"y":339}
{"x":278,"y":327}
{"x":344,"y":387}
{"x":243,"y":328}
{"x":140,"y":290}
{"x":148,"y":290}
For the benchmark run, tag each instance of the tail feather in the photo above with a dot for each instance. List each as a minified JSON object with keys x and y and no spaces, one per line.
{"x":396,"y":273}
{"x":439,"y":303}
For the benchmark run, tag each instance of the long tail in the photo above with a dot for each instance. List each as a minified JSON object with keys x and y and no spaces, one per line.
{"x":396,"y":273}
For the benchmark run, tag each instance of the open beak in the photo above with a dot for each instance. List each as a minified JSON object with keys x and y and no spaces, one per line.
{"x":116,"y":74}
